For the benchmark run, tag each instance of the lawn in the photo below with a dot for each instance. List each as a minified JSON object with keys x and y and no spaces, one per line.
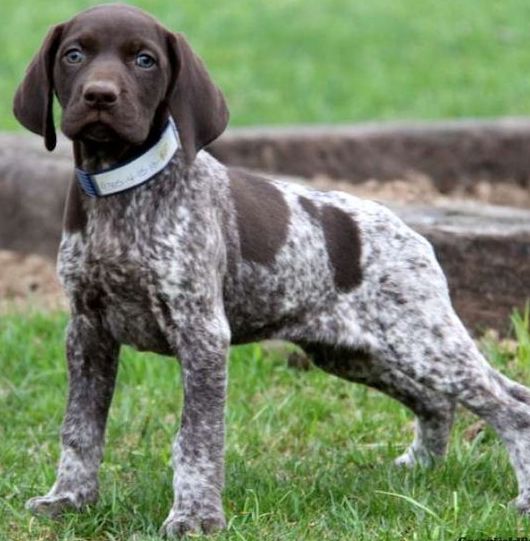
{"x":304,"y":61}
{"x":309,"y":457}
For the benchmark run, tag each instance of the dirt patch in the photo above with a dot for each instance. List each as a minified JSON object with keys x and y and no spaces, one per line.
{"x":28,"y":282}
{"x":421,"y":189}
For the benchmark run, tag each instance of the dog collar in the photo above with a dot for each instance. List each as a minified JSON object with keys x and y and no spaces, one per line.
{"x":135,"y":172}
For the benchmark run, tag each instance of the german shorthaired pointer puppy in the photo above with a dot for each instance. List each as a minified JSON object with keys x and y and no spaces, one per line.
{"x":167,"y":250}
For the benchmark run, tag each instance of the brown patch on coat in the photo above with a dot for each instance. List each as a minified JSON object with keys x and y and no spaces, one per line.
{"x":75,"y":217}
{"x":343,"y":244}
{"x":262,"y":216}
{"x":309,"y":207}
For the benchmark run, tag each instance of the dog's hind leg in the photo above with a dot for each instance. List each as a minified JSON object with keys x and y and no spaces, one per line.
{"x":437,"y":352}
{"x":434,"y":419}
{"x":434,"y":412}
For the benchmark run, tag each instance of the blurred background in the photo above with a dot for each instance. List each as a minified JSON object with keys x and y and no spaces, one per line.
{"x":311,"y":61}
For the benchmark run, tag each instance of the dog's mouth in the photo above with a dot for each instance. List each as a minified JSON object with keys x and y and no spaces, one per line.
{"x":98,"y":132}
{"x":99,"y":127}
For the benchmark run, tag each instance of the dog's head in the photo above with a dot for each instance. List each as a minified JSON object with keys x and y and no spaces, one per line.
{"x":115,"y":70}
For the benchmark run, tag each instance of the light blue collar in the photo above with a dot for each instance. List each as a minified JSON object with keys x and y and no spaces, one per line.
{"x":135,"y":172}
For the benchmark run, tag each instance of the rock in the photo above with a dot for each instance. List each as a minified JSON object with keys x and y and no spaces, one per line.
{"x":33,"y":186}
{"x":453,"y":153}
{"x":485,"y":253}
{"x":298,"y":360}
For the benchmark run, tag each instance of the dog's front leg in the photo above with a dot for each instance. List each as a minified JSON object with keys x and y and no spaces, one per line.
{"x":198,"y":450}
{"x":92,"y":356}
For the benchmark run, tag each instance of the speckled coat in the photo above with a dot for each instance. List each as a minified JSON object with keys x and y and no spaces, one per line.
{"x":203,"y":256}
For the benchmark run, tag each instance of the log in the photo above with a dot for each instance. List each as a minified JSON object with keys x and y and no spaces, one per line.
{"x":33,"y":185}
{"x":452,"y":153}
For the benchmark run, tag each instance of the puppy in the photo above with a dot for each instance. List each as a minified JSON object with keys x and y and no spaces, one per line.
{"x":167,"y":250}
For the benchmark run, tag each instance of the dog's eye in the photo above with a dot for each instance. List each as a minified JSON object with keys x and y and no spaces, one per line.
{"x":145,"y":61}
{"x":74,"y":56}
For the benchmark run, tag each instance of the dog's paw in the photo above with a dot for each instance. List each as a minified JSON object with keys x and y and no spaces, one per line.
{"x":178,"y":524}
{"x":52,"y":505}
{"x":58,"y":501}
{"x":412,"y":459}
{"x":522,"y":504}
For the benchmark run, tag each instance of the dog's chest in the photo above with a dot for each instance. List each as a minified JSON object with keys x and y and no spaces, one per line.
{"x":119,"y":287}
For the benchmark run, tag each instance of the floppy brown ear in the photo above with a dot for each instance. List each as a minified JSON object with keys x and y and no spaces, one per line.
{"x":33,"y":103}
{"x":196,"y":104}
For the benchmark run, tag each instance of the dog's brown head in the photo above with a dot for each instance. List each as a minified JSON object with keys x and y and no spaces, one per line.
{"x":117,"y":73}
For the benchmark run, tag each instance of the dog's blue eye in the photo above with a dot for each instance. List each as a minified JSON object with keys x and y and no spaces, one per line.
{"x":74,"y":56}
{"x":145,"y":61}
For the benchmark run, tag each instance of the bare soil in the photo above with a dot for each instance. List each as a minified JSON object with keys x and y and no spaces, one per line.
{"x":28,"y":282}
{"x":421,"y":189}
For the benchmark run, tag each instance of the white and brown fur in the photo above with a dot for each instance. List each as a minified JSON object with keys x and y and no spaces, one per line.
{"x":203,"y":256}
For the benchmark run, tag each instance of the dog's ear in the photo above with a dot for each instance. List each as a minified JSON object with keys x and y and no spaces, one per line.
{"x":33,"y":103}
{"x":196,"y":104}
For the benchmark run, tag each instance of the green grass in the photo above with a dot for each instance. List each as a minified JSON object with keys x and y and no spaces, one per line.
{"x":292,"y":61}
{"x":308,"y":455}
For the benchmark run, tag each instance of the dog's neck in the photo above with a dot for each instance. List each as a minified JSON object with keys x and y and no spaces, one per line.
{"x":96,"y":156}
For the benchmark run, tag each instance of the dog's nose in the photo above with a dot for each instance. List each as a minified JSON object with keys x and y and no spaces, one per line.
{"x":100,"y":94}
